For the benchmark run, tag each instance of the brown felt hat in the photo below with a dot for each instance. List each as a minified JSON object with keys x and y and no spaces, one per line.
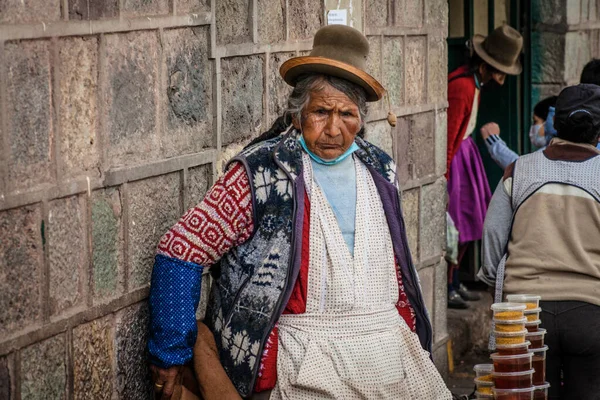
{"x":340,"y":51}
{"x":501,"y":49}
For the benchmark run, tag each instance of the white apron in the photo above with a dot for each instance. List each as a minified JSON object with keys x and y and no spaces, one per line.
{"x":351,"y":343}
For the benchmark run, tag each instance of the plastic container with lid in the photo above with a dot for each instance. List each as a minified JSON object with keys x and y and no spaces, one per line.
{"x":530,"y":300}
{"x":503,"y":338}
{"x":510,"y":349}
{"x":540,"y":392}
{"x":513,"y":380}
{"x":508,"y":311}
{"x":510,"y":325}
{"x":536,"y":338}
{"x":533,"y":314}
{"x":532,"y":326}
{"x":539,"y":365}
{"x":512,"y":363}
{"x":513,"y":394}
{"x":483,"y":370}
{"x":484,"y":396}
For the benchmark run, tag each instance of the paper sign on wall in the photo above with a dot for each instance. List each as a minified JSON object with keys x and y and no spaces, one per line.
{"x":337,"y":17}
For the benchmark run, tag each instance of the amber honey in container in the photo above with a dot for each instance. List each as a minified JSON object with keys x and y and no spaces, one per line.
{"x":512,"y":380}
{"x":484,"y":396}
{"x":536,"y":338}
{"x":510,"y":325}
{"x":484,"y":371}
{"x":512,"y":363}
{"x":540,"y":392}
{"x":539,"y":365}
{"x":531,"y":301}
{"x":532,"y":326}
{"x":508,"y":311}
{"x":533,"y":314}
{"x":513,"y":394}
{"x":511,"y":349}
{"x":503,"y":338}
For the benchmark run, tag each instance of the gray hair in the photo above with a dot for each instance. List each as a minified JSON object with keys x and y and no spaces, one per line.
{"x":300,"y":96}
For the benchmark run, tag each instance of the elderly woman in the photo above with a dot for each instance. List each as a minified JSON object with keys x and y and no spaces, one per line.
{"x":542,"y":236}
{"x":315,"y":294}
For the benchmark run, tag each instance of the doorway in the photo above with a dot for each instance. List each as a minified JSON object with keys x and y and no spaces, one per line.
{"x":509,"y":106}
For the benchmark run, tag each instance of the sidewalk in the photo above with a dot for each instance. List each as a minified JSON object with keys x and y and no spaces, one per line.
{"x":469,"y":331}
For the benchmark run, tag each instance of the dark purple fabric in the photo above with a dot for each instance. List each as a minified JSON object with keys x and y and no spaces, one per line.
{"x":468,"y":192}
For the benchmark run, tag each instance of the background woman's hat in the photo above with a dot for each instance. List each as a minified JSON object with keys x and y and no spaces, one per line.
{"x":501,"y":49}
{"x":340,"y":51}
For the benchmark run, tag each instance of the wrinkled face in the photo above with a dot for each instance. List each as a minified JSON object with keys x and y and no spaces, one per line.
{"x":330,"y":122}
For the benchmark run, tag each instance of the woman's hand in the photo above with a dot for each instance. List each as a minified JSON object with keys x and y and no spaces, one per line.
{"x":165,"y":380}
{"x":491,"y":128}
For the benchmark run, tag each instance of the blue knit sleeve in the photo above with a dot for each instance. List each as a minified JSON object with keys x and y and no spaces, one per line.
{"x":174,"y":297}
{"x":499,"y":151}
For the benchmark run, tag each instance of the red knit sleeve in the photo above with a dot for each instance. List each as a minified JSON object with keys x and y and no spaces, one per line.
{"x":221,"y":221}
{"x":461,"y":93}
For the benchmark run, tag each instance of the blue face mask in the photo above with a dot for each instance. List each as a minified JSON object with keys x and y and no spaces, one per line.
{"x":322,"y":161}
{"x":598,"y":146}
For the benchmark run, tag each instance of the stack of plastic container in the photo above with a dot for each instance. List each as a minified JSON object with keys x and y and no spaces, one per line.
{"x":535,"y":335}
{"x":519,"y":365}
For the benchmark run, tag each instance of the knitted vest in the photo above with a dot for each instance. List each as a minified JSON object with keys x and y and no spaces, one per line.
{"x":535,"y":170}
{"x":254,"y":280}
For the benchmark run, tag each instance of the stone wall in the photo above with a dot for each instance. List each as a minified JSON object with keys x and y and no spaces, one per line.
{"x":566,"y":35}
{"x":115,"y":117}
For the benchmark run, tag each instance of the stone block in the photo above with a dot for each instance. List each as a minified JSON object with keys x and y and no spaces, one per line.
{"x":401,"y":135}
{"x":43,"y":370}
{"x":548,"y":54}
{"x":380,"y":134}
{"x":541,"y":91}
{"x":234,"y":21}
{"x":426,"y":278}
{"x":393,"y":69}
{"x":67,"y":254}
{"x":27,"y":11}
{"x":242,"y":98}
{"x":440,"y":359}
{"x":593,"y":11}
{"x":29,"y":108}
{"x":573,"y":11}
{"x":6,"y":379}
{"x":440,"y":302}
{"x":198,"y":183}
{"x":93,"y":9}
{"x":93,"y":360}
{"x":21,"y":263}
{"x":577,"y":54}
{"x":433,"y":219}
{"x":436,"y":12}
{"x":271,"y":21}
{"x":130,"y":93}
{"x":138,"y":8}
{"x":416,"y":52}
{"x":161,"y":195}
{"x":305,"y":17}
{"x":585,"y":10}
{"x":189,"y":108}
{"x":550,"y":12}
{"x":441,"y":142}
{"x":377,"y":13}
{"x":437,"y":77}
{"x":422,"y":145}
{"x":408,"y":13}
{"x":192,"y":6}
{"x":279,"y":91}
{"x":410,"y":211}
{"x":77,"y":112}
{"x":374,"y":65}
{"x":133,"y":378}
{"x":107,"y":242}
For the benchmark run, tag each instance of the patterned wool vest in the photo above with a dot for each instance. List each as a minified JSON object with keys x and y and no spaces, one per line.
{"x":254,"y":281}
